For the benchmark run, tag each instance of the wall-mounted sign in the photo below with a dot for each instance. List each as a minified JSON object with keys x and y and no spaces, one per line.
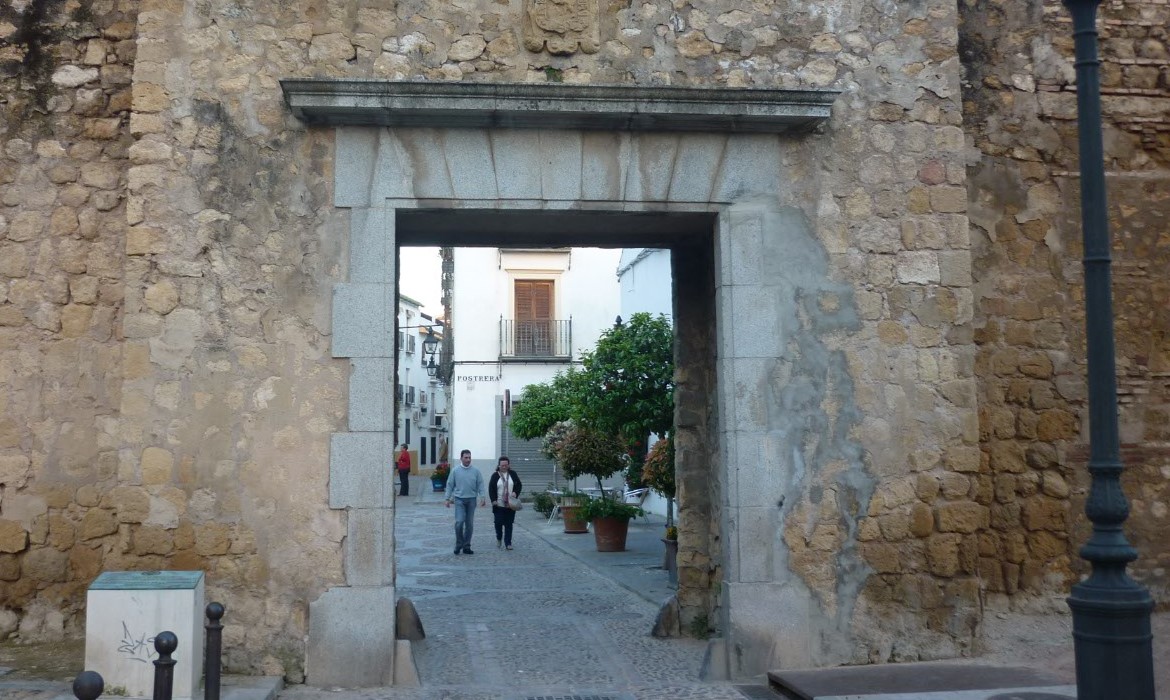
{"x":476,"y":378}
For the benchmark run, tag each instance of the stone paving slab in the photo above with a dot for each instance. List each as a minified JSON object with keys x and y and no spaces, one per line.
{"x":545,"y":620}
{"x":232,"y":687}
{"x":915,"y":680}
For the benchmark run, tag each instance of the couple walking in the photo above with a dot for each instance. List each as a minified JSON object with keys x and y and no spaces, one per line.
{"x":465,"y":485}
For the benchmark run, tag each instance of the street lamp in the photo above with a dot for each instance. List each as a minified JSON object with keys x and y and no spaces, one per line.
{"x":430,"y":344}
{"x":1111,"y":612}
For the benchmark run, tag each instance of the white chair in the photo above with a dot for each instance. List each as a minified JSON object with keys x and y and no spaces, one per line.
{"x":556,"y":509}
{"x":635,"y":497}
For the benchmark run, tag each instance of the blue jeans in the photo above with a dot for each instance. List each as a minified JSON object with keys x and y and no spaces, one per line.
{"x":464,"y":522}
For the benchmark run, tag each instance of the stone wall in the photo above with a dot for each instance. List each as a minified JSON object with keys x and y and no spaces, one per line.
{"x":170,"y":242}
{"x":65,"y":73}
{"x":167,"y":388}
{"x":1020,"y":107}
{"x":227,"y":201}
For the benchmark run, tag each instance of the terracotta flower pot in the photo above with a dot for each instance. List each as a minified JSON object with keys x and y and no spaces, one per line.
{"x":574,"y":523}
{"x":610,"y":534}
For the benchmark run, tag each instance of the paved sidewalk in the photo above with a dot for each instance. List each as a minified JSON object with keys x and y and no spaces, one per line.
{"x":533,"y":622}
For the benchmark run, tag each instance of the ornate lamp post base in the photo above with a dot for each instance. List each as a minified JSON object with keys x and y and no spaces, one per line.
{"x":1113,"y":641}
{"x":1111,"y":611}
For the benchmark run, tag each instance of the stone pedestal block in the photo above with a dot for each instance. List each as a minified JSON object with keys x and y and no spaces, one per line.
{"x":124,"y":612}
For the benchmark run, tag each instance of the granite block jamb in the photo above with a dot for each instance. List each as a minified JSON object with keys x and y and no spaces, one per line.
{"x":740,"y":249}
{"x":369,"y":547}
{"x":358,"y":473}
{"x":372,"y":257}
{"x":364,"y":322}
{"x":758,"y":534}
{"x":355,"y":160}
{"x":371,"y":399}
{"x":351,"y":638}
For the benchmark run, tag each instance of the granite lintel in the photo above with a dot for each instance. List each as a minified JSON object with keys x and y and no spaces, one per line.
{"x":325,"y":102}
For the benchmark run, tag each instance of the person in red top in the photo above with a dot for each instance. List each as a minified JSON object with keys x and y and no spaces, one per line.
{"x":403,"y":463}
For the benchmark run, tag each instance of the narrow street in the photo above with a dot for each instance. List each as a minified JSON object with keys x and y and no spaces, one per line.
{"x":534,"y":622}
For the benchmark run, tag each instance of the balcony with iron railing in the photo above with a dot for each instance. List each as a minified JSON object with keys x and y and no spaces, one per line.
{"x":546,"y":339}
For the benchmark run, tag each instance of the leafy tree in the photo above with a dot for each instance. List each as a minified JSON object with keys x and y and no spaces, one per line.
{"x":658,"y":469}
{"x":545,"y":405}
{"x":584,"y":451}
{"x":658,"y":473}
{"x":623,"y":392}
{"x":630,"y":374}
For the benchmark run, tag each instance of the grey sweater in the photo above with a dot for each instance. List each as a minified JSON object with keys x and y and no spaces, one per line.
{"x":465,"y":482}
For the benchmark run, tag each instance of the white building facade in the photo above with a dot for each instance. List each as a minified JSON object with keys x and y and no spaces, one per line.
{"x":646,"y":283}
{"x":520,"y":317}
{"x":421,"y":399}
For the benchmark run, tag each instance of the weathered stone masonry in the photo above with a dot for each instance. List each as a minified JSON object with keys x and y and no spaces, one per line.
{"x":170,"y":241}
{"x":1020,"y":105}
{"x":65,"y":73}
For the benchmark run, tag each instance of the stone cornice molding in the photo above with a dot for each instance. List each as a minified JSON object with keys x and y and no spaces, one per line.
{"x":326,"y":102}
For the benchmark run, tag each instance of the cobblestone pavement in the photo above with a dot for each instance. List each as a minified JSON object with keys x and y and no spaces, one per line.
{"x":529,"y":623}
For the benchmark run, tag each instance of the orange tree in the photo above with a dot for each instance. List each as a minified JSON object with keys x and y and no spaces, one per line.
{"x":624,"y":389}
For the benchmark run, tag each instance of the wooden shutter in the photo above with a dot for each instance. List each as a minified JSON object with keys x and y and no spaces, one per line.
{"x":534,"y":300}
{"x":534,"y":317}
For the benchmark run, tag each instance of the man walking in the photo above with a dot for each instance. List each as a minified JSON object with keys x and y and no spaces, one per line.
{"x":463,"y":486}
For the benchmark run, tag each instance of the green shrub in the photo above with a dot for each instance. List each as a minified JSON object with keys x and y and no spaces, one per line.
{"x":543,"y":503}
{"x":609,"y":508}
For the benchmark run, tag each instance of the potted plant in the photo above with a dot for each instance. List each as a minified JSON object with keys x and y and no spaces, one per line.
{"x":571,"y":504}
{"x":658,"y":473}
{"x":670,"y":556}
{"x":582,"y":451}
{"x":439,"y":476}
{"x":611,"y":522}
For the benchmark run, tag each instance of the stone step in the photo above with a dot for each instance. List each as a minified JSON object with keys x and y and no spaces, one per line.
{"x":920,"y":681}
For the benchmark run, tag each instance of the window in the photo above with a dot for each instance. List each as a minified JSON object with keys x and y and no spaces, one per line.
{"x":534,"y":318}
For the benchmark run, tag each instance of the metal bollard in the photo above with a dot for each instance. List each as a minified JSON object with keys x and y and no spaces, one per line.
{"x":165,"y":644}
{"x":212,"y":661}
{"x":88,"y":685}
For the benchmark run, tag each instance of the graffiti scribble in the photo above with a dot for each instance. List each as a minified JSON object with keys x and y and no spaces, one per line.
{"x":135,"y":648}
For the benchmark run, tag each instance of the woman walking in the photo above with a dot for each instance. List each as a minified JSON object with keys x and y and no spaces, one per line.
{"x":504,"y":491}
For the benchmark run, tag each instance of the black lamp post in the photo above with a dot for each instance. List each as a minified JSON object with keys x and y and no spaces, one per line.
{"x":1111,"y":611}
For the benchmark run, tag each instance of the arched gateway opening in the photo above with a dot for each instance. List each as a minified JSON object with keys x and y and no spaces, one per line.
{"x":719,"y":183}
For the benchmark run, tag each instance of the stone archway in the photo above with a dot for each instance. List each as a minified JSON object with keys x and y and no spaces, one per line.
{"x":715,"y":194}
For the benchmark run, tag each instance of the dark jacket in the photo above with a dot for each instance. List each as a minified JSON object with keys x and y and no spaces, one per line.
{"x":494,"y":486}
